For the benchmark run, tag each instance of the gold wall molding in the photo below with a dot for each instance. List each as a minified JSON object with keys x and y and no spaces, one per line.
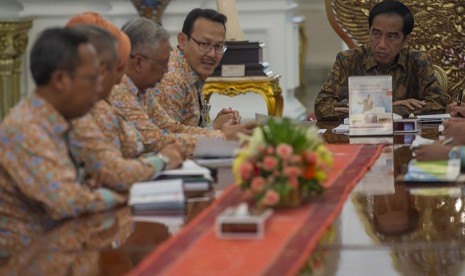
{"x":13,"y":43}
{"x":267,"y":87}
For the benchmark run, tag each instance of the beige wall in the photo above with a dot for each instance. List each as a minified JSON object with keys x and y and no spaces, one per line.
{"x":323,"y":42}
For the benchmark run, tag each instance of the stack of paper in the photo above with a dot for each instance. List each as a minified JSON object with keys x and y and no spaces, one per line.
{"x":188,"y":168}
{"x":162,"y":197}
{"x":433,"y":118}
{"x":194,"y":177}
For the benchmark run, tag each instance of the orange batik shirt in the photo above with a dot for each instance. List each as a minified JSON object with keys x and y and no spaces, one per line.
{"x":152,"y":121}
{"x":38,"y":179}
{"x":180,"y":91}
{"x":103,"y":139}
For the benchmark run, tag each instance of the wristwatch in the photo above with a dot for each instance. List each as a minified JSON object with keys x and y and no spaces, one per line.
{"x":165,"y":159}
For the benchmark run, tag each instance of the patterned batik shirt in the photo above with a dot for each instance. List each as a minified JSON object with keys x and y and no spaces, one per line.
{"x":72,"y":246}
{"x":180,"y":91}
{"x":103,"y":139}
{"x":412,"y":77}
{"x":157,"y":128}
{"x":38,"y":179}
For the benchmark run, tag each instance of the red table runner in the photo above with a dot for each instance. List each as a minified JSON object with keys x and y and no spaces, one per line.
{"x":290,"y":235}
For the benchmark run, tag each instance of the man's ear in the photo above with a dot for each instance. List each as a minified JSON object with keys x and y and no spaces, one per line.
{"x":136,"y":63}
{"x":60,"y":81}
{"x":182,"y":40}
{"x":406,"y":40}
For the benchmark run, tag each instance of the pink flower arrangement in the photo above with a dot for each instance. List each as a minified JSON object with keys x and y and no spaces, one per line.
{"x":281,"y":158}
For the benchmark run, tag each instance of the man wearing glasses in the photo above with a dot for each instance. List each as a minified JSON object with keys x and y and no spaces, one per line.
{"x":200,"y":49}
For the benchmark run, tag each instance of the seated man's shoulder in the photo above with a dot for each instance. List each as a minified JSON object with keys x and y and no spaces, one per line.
{"x":416,"y":55}
{"x":351,"y":54}
{"x":119,"y":90}
{"x":121,"y":95}
{"x":83,"y":122}
{"x":14,"y":132}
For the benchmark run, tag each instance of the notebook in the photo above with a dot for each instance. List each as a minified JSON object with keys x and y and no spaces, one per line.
{"x":433,"y":171}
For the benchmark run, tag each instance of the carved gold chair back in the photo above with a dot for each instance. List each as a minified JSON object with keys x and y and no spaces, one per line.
{"x":439,"y":30}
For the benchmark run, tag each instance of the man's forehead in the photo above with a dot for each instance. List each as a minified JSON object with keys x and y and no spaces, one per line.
{"x":202,"y":22}
{"x":373,"y":28}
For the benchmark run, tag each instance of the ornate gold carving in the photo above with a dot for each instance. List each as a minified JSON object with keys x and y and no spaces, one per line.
{"x":439,"y":31}
{"x":13,"y":43}
{"x":268,"y":87}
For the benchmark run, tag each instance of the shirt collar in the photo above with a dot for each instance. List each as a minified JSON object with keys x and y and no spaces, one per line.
{"x":46,"y":112}
{"x":129,"y":84}
{"x":178,"y":62}
{"x":371,"y":62}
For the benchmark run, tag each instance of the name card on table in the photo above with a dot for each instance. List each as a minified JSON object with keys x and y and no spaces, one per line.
{"x":233,"y":70}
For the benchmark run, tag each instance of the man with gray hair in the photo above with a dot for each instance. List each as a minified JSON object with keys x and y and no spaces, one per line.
{"x":103,"y":140}
{"x":150,"y":51}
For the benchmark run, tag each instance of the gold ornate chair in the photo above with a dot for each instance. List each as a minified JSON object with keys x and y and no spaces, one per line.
{"x":439,"y":30}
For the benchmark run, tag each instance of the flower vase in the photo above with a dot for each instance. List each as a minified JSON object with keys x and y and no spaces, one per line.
{"x":294,"y":198}
{"x":151,"y":9}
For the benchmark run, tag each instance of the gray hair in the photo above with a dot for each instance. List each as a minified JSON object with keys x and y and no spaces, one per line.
{"x":144,"y":33}
{"x":103,"y":41}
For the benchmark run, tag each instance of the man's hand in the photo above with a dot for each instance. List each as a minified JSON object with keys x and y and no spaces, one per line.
{"x":342,"y":106}
{"x":342,"y":109}
{"x":102,"y":177}
{"x":452,"y":121}
{"x":224,"y":116}
{"x":456,"y":130}
{"x":435,"y":151}
{"x":456,"y":111}
{"x":411,"y":104}
{"x":175,"y":153}
{"x":231,"y":130}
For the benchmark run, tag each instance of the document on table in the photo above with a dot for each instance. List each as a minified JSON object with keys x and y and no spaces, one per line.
{"x":165,"y":196}
{"x":212,"y":148}
{"x":433,"y":117}
{"x":188,"y":168}
{"x":341,"y":129}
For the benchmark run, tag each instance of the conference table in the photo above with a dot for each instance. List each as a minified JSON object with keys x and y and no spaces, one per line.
{"x":386,"y":227}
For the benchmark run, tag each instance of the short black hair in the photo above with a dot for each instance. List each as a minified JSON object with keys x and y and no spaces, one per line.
{"x":196,"y":13}
{"x":54,"y":49}
{"x":393,"y":7}
{"x":103,"y":41}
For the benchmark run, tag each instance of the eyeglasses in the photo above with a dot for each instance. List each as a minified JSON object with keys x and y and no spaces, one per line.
{"x":163,"y":63}
{"x":206,"y":48}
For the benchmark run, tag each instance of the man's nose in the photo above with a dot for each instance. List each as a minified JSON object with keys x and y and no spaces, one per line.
{"x":382,"y":42}
{"x":211,"y":52}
